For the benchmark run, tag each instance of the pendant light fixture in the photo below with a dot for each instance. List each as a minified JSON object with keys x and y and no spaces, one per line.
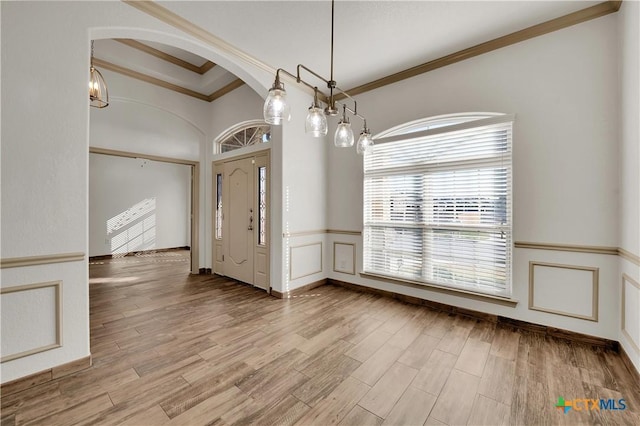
{"x":365,"y":141}
{"x":276,"y":110}
{"x":98,"y":93}
{"x":316,"y":122}
{"x":344,"y":135}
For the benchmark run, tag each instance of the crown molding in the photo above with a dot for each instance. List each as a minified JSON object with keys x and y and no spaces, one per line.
{"x":601,"y":9}
{"x":165,"y":15}
{"x":99,"y":63}
{"x":166,"y":57}
{"x":226,"y":89}
{"x":587,"y":14}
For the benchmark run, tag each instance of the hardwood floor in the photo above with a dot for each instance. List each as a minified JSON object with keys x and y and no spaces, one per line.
{"x":169,"y":348}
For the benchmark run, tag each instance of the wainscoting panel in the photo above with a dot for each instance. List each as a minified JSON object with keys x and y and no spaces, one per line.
{"x":344,"y":257}
{"x":631,"y":311}
{"x":305,"y":260}
{"x":566,"y":290}
{"x":41,"y":304}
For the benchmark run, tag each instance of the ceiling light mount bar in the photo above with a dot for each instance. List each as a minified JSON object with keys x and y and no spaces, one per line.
{"x":276,"y":109}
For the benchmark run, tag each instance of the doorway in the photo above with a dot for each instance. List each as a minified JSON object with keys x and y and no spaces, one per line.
{"x":133,"y":228}
{"x":241,"y":219}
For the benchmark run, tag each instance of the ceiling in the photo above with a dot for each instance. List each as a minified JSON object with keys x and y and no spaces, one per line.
{"x":373,"y":39}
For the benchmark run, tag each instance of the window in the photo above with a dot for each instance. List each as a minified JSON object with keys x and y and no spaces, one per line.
{"x":244,"y":134}
{"x":262,"y":206}
{"x":219,"y":206}
{"x":437,"y":203}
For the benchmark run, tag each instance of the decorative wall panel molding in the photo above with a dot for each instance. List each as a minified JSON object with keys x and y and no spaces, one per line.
{"x":630,"y":321}
{"x":305,"y":260}
{"x":613,"y":251}
{"x":17,"y":262}
{"x":567,"y":247}
{"x":343,"y":232}
{"x":41,"y":303}
{"x":321,"y":231}
{"x":303,"y":233}
{"x":344,"y":258}
{"x":566,"y":290}
{"x":633,"y":258}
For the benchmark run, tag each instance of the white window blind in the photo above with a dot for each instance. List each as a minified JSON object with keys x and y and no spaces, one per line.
{"x":437,"y":205}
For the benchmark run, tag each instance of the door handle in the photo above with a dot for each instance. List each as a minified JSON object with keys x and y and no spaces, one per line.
{"x":250,"y":220}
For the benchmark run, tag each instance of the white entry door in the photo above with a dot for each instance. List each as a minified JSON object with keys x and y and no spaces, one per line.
{"x":241,"y":224}
{"x":238,"y":224}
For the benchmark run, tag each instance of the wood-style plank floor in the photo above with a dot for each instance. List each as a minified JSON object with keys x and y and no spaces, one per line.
{"x":169,"y":348}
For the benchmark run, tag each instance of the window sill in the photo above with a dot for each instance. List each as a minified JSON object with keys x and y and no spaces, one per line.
{"x":505,"y":301}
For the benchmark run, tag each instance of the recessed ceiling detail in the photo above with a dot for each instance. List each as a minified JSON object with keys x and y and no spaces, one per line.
{"x":165,"y":66}
{"x":206,"y":66}
{"x":161,"y":83}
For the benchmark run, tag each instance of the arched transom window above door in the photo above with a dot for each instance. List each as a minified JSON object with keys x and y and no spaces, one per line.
{"x":242,"y":135}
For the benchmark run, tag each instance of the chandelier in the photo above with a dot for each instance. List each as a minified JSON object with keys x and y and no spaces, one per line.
{"x":98,"y":93}
{"x":276,"y":109}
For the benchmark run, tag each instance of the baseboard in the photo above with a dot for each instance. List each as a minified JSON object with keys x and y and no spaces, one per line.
{"x":560,"y":333}
{"x":627,"y":363}
{"x":204,"y":271}
{"x":137,"y":253}
{"x":35,"y":379}
{"x":297,"y":291}
{"x":522,"y":325}
{"x":417,"y":301}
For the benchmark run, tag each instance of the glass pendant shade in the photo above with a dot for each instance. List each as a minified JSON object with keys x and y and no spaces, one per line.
{"x":276,"y":109}
{"x":365,"y":142}
{"x":316,"y":123}
{"x":98,"y":93}
{"x":344,"y":134}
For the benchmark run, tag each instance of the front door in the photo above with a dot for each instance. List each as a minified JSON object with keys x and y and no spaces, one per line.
{"x":238,"y":221}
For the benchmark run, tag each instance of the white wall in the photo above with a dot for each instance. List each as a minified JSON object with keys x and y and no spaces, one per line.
{"x":629,"y":230}
{"x":137,"y":204}
{"x":148,"y":119}
{"x":304,"y":202}
{"x":563,"y":89}
{"x":241,"y":104}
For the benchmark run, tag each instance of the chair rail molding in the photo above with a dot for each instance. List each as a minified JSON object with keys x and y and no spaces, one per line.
{"x":18,"y":262}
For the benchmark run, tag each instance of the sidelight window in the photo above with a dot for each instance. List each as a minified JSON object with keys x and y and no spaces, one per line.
{"x":262,"y":206}
{"x":219,"y":206}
